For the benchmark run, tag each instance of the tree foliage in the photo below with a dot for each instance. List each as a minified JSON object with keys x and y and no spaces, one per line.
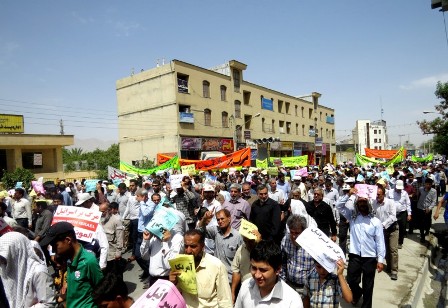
{"x":439,"y":126}
{"x":10,"y":179}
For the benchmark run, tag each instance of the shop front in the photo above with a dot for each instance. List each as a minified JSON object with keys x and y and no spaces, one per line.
{"x":191,"y":147}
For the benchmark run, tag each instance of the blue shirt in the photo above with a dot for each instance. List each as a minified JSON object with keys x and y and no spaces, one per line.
{"x":146,"y":213}
{"x":366,"y":232}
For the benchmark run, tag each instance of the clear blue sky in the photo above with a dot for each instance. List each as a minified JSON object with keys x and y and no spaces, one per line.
{"x":60,"y":59}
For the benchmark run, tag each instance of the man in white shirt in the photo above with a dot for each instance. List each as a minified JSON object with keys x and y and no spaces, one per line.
{"x":276,"y":194}
{"x":21,"y":209}
{"x":266,"y":288}
{"x":385,"y":211}
{"x":403,"y":206}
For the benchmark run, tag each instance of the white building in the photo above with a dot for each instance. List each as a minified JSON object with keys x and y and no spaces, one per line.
{"x":370,"y":134}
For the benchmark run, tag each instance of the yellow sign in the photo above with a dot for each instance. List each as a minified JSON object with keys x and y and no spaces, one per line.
{"x":186,"y":281}
{"x":188,"y":169}
{"x":246,"y":229}
{"x":10,"y":123}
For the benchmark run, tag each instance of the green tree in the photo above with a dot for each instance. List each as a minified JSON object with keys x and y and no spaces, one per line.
{"x":439,"y":126}
{"x":10,"y":179}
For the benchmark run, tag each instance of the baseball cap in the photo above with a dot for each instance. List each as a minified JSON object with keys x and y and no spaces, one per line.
{"x":399,"y":184}
{"x":83,"y":197}
{"x":54,"y":231}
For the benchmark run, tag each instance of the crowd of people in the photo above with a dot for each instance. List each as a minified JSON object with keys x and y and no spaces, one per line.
{"x":46,"y":265}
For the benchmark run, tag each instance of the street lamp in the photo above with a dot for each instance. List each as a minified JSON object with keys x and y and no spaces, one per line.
{"x":241,"y":127}
{"x":426,"y":112}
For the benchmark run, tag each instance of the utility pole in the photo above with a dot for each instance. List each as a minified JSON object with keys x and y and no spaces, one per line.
{"x":61,"y":125}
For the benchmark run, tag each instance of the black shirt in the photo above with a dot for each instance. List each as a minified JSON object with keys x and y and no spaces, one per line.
{"x":323,"y":215}
{"x":266,"y":216}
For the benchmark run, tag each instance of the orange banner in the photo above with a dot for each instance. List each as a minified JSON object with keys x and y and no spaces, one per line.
{"x":387,"y":154}
{"x":238,"y":158}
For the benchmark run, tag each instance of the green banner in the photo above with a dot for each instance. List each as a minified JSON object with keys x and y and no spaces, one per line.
{"x":173,"y":163}
{"x":429,"y":157}
{"x":300,"y":161}
{"x":262,"y":164}
{"x":362,"y":160}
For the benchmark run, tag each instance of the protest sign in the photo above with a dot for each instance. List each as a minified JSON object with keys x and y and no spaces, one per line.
{"x":162,"y":293}
{"x":176,"y":181}
{"x":320,"y":247}
{"x":85,"y":221}
{"x":366,"y":191}
{"x":4,"y":227}
{"x":186,"y":281}
{"x":91,"y":185}
{"x":162,"y":220}
{"x":38,"y":187}
{"x":188,"y":169}
{"x":273,"y":171}
{"x":302,"y":171}
{"x":118,"y":176}
{"x":246,"y":229}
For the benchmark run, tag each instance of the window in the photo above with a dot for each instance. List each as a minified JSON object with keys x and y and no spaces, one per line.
{"x":379,"y":140}
{"x":310,"y":112}
{"x":223,"y":93}
{"x":320,"y":116}
{"x":297,"y":128}
{"x":303,"y":112}
{"x":375,"y":131}
{"x":296,"y":111}
{"x":225,"y":119}
{"x":375,"y":140}
{"x":246,"y":97}
{"x":206,"y":89}
{"x":288,"y":127}
{"x":247,"y":120}
{"x":239,"y":133}
{"x":237,"y":109}
{"x":303,"y":129}
{"x":273,"y":126}
{"x":207,"y":117}
{"x":379,"y":147}
{"x":280,"y":106}
{"x":379,"y":132}
{"x":182,"y":83}
{"x":262,"y":124}
{"x":376,"y":148}
{"x":332,"y":133}
{"x":28,"y":160}
{"x":236,"y":80}
{"x":281,"y":126}
{"x":312,"y":133}
{"x":287,"y":107}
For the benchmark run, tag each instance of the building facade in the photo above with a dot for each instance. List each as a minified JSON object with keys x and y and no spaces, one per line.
{"x":370,"y":134}
{"x":184,"y":109}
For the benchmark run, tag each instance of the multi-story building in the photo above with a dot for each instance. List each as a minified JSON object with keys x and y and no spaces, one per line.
{"x":370,"y":134}
{"x":184,"y":109}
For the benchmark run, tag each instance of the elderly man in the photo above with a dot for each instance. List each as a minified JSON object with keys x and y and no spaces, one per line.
{"x":237,"y":206}
{"x":296,"y":262}
{"x":403,"y":206}
{"x":322,"y":214}
{"x":367,"y":248}
{"x":276,"y":194}
{"x":211,"y":275}
{"x":227,"y":239}
{"x":426,"y":202}
{"x":247,"y":193}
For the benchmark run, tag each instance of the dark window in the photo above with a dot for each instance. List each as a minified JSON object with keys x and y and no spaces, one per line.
{"x":236,"y":80}
{"x":207,"y":117}
{"x":237,"y":109}
{"x":182,"y":83}
{"x":206,"y":89}
{"x":225,"y":119}
{"x":32,"y":160}
{"x":223,"y":93}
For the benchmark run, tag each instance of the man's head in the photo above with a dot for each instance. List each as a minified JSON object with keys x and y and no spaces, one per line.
{"x":262,"y":193}
{"x":296,"y":224}
{"x":156,"y":186}
{"x":19,"y":193}
{"x":194,"y":242}
{"x":297,"y":179}
{"x":223,"y":219}
{"x":112,"y":292}
{"x":328,"y":185}
{"x":122,"y":188}
{"x":266,"y":262}
{"x":296,"y":194}
{"x":318,"y":195}
{"x":246,"y":189}
{"x":235,"y":191}
{"x":58,"y":199}
{"x":321,"y":271}
{"x":104,"y":209}
{"x":363,"y":206}
{"x":133,"y":185}
{"x":209,"y":192}
{"x":273,"y":184}
{"x":380,"y":194}
{"x":62,"y":237}
{"x":141,"y":195}
{"x":156,"y":198}
{"x":41,"y":206}
{"x":428,"y":184}
{"x":113,"y":207}
{"x":399,"y":186}
{"x":85,"y":200}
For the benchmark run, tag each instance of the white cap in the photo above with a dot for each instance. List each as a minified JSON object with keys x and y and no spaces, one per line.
{"x":208,"y":187}
{"x":399,"y":184}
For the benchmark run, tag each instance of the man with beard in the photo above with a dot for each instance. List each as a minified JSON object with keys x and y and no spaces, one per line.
{"x":367,"y":248}
{"x":248,"y":194}
{"x":237,"y":206}
{"x":83,"y":272}
{"x":227,"y":239}
{"x":266,"y":215}
{"x":114,"y":231}
{"x":211,"y":275}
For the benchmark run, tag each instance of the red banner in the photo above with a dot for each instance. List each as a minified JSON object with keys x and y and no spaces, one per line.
{"x":238,"y":158}
{"x":387,"y":154}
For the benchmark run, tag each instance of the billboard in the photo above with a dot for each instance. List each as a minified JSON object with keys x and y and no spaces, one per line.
{"x":11,"y":123}
{"x":267,"y":104}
